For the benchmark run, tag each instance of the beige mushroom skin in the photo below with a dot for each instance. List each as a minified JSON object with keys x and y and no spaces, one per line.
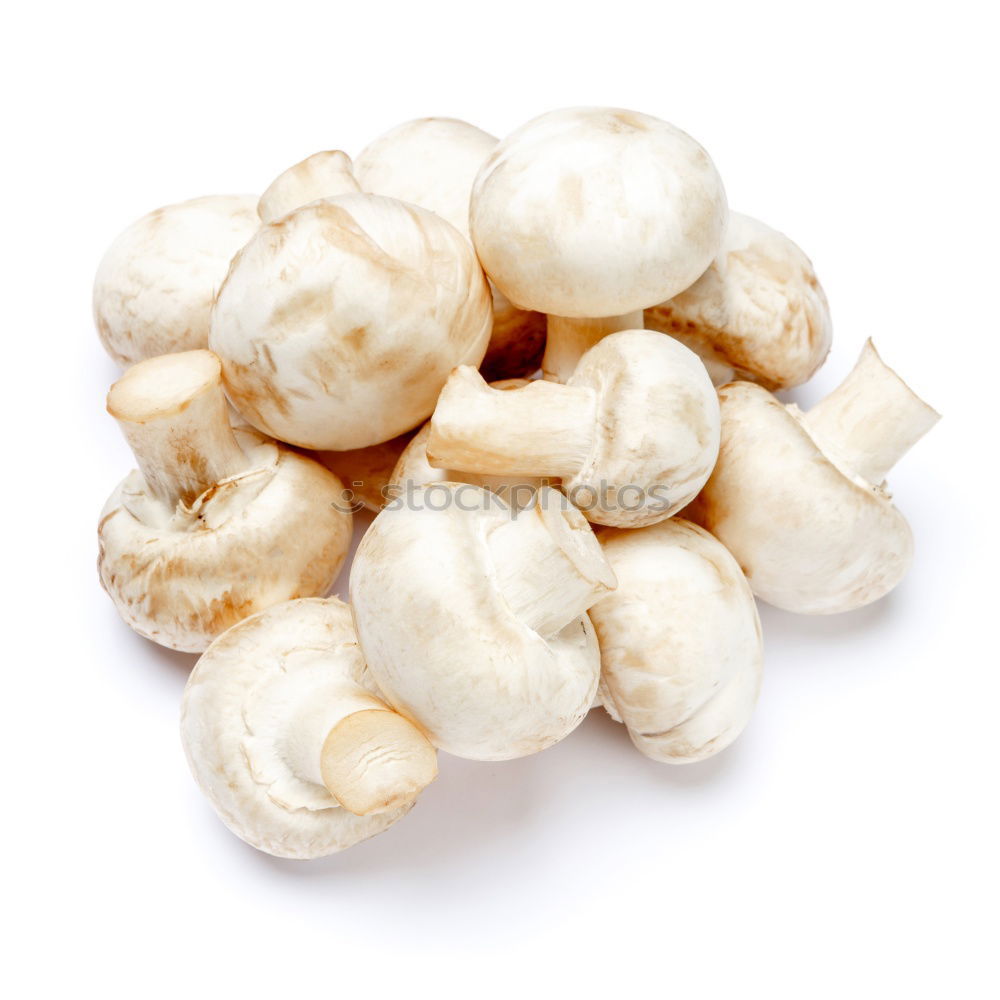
{"x":681,"y":649}
{"x":288,"y":737}
{"x":757,"y":313}
{"x":322,"y":175}
{"x":592,"y":215}
{"x":215,"y":524}
{"x":367,"y":472}
{"x":155,"y":286}
{"x":433,"y":162}
{"x":473,"y":621}
{"x":633,"y":434}
{"x":800,"y":498}
{"x":338,"y":324}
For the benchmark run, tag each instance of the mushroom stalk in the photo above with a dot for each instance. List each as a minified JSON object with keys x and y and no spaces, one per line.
{"x":368,"y":757}
{"x":541,"y":429}
{"x":549,"y":565}
{"x":174,"y":416}
{"x":568,"y":339}
{"x":870,"y":420}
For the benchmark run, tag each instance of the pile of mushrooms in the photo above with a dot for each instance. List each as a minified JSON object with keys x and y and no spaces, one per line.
{"x":547,"y":364}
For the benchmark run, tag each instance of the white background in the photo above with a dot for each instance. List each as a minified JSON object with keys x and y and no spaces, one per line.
{"x":845,"y":846}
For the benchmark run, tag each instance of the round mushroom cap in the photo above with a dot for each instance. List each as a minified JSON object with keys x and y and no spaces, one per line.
{"x":758,"y":309}
{"x":808,"y":537}
{"x":238,"y":727}
{"x":276,"y":531}
{"x":339,"y":323}
{"x":658,"y":429}
{"x":433,"y":162}
{"x":322,"y":175}
{"x":155,"y":286}
{"x":592,"y":212}
{"x":681,"y":648}
{"x":443,"y":644}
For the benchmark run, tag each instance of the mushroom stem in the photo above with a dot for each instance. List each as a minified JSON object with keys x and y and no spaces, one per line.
{"x":375,"y":760}
{"x":549,"y":565}
{"x":870,"y":420}
{"x":174,"y":416}
{"x":541,"y":429}
{"x":568,"y":339}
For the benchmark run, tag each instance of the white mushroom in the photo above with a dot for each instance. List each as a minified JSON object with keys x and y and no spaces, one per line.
{"x":155,"y":286}
{"x":473,"y":622}
{"x":633,"y":434}
{"x":322,"y":175}
{"x":800,"y":499}
{"x":758,"y":312}
{"x":288,"y":737}
{"x":433,"y":162}
{"x":367,"y":472}
{"x":215,"y":525}
{"x":681,"y":651}
{"x":338,"y":324}
{"x":592,"y":215}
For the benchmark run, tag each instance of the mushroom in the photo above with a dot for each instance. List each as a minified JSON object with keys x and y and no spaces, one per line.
{"x":473,"y":621}
{"x":367,"y":472}
{"x":633,"y":433}
{"x":592,"y":215}
{"x":681,"y":651}
{"x":800,"y":498}
{"x":322,"y":175}
{"x":338,"y":324}
{"x":155,"y":286}
{"x":287,"y":736}
{"x":757,"y":313}
{"x":413,"y":468}
{"x":216,"y":524}
{"x":432,"y":162}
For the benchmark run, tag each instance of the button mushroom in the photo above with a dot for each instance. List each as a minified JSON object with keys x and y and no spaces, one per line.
{"x":322,"y":175}
{"x":758,"y":312}
{"x":287,"y":736}
{"x":432,"y":162}
{"x":338,"y":324}
{"x":155,"y":286}
{"x":633,"y":433}
{"x":367,"y":472}
{"x":215,"y":524}
{"x":800,"y":499}
{"x":592,"y":215}
{"x":473,"y":622}
{"x":681,"y":652}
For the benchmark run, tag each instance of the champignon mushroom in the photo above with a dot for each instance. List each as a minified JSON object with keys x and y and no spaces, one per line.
{"x":338,"y":324}
{"x":473,"y":621}
{"x":286,"y":734}
{"x":800,"y":498}
{"x":432,"y":162}
{"x":215,"y":525}
{"x":322,"y":175}
{"x":681,"y":651}
{"x":757,"y":313}
{"x":592,"y":215}
{"x":633,"y":433}
{"x":367,"y":472}
{"x":155,"y":286}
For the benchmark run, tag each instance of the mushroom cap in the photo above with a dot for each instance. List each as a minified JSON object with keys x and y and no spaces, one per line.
{"x":444,"y":646}
{"x":758,"y":308}
{"x":657,"y":433}
{"x":237,"y":727}
{"x":367,"y":472}
{"x":433,"y":162}
{"x":156,"y":283}
{"x":272,"y":533}
{"x":808,"y":537}
{"x":591,"y":212}
{"x":681,"y":648}
{"x":338,"y":324}
{"x":321,"y":175}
